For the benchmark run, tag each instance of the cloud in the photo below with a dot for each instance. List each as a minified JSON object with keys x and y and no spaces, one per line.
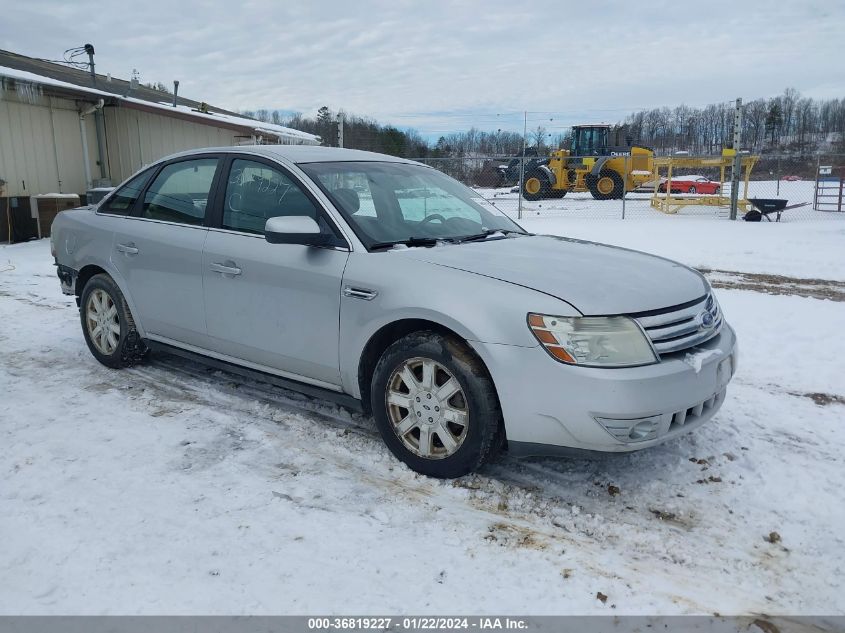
{"x":448,"y":65}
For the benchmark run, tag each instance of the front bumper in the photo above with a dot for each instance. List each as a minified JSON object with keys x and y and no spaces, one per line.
{"x":551,"y":408}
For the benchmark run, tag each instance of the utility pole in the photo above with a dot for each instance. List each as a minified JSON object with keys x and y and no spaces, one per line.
{"x":522,"y":165}
{"x":99,"y":126}
{"x":737,"y":166}
{"x":340,"y":129}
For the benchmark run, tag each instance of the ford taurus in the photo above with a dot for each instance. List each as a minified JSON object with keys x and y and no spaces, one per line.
{"x":389,"y":287}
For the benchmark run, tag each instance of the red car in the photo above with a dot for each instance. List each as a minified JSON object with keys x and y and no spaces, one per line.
{"x":791,"y":178}
{"x":693,"y":185}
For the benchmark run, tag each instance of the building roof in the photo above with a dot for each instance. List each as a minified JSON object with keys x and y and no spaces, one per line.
{"x":74,"y":83}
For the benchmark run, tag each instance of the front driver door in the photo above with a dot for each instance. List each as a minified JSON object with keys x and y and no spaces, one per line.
{"x":276,"y":306}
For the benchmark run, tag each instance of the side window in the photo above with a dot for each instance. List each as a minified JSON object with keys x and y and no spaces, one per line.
{"x":180,"y":192}
{"x":124,"y":198}
{"x":256,"y":192}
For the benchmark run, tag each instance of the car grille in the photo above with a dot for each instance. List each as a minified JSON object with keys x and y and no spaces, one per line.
{"x":692,"y":414}
{"x":679,"y":328}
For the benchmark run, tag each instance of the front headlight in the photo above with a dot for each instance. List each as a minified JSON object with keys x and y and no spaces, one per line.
{"x":593,"y":341}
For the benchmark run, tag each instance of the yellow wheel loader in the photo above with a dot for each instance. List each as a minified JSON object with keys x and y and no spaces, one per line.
{"x":590,"y":164}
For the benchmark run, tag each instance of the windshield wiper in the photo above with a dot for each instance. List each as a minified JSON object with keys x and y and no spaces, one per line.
{"x":411,"y":241}
{"x":487,"y":233}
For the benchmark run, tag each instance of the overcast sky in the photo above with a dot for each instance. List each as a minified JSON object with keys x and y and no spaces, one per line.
{"x":444,"y":66}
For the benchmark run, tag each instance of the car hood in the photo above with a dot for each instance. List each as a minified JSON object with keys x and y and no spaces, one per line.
{"x":596,"y":279}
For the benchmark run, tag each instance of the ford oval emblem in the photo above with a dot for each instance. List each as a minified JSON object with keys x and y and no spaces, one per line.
{"x":706,"y":320}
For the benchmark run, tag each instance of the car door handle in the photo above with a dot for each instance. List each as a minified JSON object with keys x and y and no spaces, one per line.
{"x":225,"y":270}
{"x":129,"y":249}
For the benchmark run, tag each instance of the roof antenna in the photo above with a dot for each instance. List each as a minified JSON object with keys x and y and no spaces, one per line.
{"x":89,"y":48}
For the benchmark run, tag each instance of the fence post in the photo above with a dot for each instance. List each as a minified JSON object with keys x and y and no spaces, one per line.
{"x":340,"y":129}
{"x":625,"y":186}
{"x":778,"y":173}
{"x":737,"y":163}
{"x":521,"y":167}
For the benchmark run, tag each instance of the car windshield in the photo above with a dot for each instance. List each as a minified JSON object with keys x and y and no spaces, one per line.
{"x":397,"y":203}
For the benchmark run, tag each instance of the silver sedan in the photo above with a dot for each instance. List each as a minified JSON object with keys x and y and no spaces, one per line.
{"x":391,"y":288}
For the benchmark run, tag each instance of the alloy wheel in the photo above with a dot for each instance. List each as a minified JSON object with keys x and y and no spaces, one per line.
{"x":427,"y":408}
{"x":103,"y":322}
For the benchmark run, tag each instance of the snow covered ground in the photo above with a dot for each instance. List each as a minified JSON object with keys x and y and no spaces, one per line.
{"x":169,"y":488}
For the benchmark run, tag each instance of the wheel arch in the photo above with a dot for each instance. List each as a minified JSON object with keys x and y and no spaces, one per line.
{"x":89,"y":270}
{"x":82,"y":277}
{"x":391,"y":332}
{"x":549,"y":174}
{"x":599,"y":164}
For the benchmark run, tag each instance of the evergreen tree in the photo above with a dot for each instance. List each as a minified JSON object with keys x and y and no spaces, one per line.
{"x":324,"y":125}
{"x":774,"y":119}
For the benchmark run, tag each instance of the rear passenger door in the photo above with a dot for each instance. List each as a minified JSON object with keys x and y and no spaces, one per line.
{"x":159,"y":250}
{"x":272,"y":305}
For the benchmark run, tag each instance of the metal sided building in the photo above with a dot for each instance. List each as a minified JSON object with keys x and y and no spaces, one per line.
{"x":63,"y":131}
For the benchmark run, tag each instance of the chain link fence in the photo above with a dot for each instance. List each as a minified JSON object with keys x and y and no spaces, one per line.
{"x":810,"y":188}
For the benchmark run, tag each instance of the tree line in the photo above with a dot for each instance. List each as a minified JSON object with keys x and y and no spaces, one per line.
{"x":788,"y":123}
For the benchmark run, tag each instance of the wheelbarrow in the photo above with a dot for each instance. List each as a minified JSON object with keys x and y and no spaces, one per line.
{"x":764,"y":207}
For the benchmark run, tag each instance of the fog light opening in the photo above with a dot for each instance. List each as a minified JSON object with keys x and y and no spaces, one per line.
{"x":642,"y":430}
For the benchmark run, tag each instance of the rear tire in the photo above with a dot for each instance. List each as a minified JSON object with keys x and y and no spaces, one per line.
{"x":108,"y":326}
{"x":608,"y":185}
{"x":433,"y":433}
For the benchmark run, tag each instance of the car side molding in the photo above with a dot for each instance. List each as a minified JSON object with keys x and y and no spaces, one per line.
{"x":313,"y":391}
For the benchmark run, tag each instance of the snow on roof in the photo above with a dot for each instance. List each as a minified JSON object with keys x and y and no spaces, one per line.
{"x":258,"y":127}
{"x":22,"y":75}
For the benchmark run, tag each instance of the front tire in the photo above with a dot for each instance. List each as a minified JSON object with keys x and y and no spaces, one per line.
{"x":107,"y":324}
{"x":435,"y":405}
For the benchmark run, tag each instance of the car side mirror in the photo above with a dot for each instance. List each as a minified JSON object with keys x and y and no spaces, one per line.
{"x":295,"y":229}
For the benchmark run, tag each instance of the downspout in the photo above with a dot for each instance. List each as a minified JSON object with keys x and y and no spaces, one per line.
{"x":85,"y":159}
{"x":99,"y":126}
{"x":55,"y":146}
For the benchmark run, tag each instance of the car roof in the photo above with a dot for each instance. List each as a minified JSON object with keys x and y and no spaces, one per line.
{"x":300,"y":154}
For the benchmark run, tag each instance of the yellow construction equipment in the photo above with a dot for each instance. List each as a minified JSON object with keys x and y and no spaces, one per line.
{"x":590,"y":164}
